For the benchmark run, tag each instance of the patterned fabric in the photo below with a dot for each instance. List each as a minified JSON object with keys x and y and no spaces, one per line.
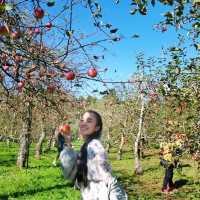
{"x":68,"y":159}
{"x":169,"y":149}
{"x":100,"y":179}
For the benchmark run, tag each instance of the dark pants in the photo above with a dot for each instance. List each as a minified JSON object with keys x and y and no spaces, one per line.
{"x":168,"y":177}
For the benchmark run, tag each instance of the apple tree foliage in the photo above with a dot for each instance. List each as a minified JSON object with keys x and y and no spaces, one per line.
{"x":44,"y":54}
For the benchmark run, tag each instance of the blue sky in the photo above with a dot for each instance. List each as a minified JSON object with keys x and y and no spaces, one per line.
{"x":149,"y":42}
{"x":121,"y":55}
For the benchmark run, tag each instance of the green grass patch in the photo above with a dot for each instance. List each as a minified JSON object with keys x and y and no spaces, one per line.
{"x":42,"y":181}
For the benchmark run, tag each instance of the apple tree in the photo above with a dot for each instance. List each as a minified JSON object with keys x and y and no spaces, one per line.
{"x":43,"y":51}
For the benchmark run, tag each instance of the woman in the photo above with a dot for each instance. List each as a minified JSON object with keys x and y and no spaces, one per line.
{"x":170,"y":158}
{"x":166,"y":152}
{"x":94,"y":173}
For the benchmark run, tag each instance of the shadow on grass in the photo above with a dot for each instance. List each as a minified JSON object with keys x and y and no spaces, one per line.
{"x":126,"y":180}
{"x":147,"y":156}
{"x":33,"y":191}
{"x":8,"y":162}
{"x":132,"y":183}
{"x":180,"y":183}
{"x":3,"y":197}
{"x":185,"y":165}
{"x":151,"y":169}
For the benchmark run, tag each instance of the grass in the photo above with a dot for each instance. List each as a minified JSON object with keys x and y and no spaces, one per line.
{"x":42,"y":181}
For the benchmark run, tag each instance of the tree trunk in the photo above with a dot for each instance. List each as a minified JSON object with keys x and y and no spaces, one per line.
{"x":38,"y":149}
{"x":108,"y":141}
{"x":141,"y":149}
{"x":50,"y":140}
{"x":23,"y":155}
{"x":138,"y":167}
{"x":14,"y":123}
{"x":119,"y":155}
{"x":55,"y":137}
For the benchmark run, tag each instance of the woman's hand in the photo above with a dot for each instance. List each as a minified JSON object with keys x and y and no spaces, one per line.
{"x":68,"y":139}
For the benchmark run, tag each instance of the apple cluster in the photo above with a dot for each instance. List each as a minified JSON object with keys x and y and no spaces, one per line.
{"x":70,"y":75}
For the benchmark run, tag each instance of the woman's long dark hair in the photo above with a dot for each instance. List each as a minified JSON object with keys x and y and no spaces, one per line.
{"x":82,"y":158}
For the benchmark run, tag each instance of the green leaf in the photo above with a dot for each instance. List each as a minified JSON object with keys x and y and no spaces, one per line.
{"x":153,"y":2}
{"x":196,"y":25}
{"x":8,"y":7}
{"x":133,"y":11}
{"x":95,"y":57}
{"x":135,"y":36}
{"x":108,"y":25}
{"x":197,"y":46}
{"x":169,"y":15}
{"x":69,"y":33}
{"x":114,"y":30}
{"x":51,"y":3}
{"x":116,"y":39}
{"x":2,"y":8}
{"x":143,"y":11}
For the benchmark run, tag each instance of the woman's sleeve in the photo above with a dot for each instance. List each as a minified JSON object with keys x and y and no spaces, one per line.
{"x":98,"y":167}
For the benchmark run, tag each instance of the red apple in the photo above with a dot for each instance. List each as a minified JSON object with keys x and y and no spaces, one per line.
{"x":66,"y":129}
{"x":37,"y":31}
{"x":70,"y":75}
{"x":39,"y":13}
{"x":48,"y":25}
{"x":92,"y":72}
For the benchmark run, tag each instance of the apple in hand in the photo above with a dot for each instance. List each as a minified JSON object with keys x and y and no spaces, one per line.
{"x":65,"y":129}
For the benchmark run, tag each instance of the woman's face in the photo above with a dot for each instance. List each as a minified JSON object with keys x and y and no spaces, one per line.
{"x":87,"y":125}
